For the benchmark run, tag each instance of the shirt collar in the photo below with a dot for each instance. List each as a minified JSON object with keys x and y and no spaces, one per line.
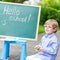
{"x":49,"y":35}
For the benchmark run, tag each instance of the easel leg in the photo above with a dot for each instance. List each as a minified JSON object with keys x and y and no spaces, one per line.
{"x":23,"y":53}
{"x":5,"y":53}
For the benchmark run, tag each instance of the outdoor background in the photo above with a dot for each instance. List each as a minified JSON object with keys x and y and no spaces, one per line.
{"x":49,"y":9}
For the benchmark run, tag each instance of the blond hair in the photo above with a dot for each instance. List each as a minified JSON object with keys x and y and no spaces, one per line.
{"x":53,"y":23}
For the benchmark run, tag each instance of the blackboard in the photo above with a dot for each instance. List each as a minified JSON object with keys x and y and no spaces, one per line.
{"x":18,"y":20}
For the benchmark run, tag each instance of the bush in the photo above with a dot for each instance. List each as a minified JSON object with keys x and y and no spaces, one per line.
{"x":50,"y":10}
{"x":40,"y":29}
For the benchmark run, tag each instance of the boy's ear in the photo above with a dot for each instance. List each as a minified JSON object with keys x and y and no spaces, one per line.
{"x":54,"y":30}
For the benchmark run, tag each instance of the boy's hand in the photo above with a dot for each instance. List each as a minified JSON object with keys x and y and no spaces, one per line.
{"x":42,"y":49}
{"x":37,"y":47}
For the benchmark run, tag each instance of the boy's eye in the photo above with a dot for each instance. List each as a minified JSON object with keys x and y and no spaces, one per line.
{"x":48,"y":26}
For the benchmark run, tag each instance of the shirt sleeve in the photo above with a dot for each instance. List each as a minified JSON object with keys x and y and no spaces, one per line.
{"x":52,"y":48}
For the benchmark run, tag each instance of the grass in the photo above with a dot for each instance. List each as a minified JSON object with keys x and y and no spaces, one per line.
{"x":41,"y":29}
{"x":58,"y":28}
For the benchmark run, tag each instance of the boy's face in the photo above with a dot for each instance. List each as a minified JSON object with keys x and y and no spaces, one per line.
{"x":48,"y":29}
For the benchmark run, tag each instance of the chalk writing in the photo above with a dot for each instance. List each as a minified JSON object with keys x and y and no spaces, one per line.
{"x":18,"y":14}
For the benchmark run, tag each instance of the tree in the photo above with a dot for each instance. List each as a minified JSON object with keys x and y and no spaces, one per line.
{"x":17,"y":1}
{"x":50,"y":10}
{"x":8,"y":0}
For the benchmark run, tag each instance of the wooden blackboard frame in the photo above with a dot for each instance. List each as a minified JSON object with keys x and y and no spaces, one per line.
{"x":23,"y":5}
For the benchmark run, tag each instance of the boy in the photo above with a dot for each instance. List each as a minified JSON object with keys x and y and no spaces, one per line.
{"x":48,"y":48}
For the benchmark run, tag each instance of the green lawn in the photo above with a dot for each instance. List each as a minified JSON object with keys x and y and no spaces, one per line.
{"x":41,"y":29}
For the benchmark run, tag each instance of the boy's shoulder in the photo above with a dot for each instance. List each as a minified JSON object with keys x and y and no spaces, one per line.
{"x":50,"y":36}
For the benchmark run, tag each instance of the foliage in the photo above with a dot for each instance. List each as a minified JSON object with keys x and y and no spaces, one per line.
{"x":17,"y":1}
{"x":8,"y":0}
{"x":40,"y":29}
{"x":50,"y":9}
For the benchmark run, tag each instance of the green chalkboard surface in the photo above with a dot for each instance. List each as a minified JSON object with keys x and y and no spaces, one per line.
{"x":19,"y":20}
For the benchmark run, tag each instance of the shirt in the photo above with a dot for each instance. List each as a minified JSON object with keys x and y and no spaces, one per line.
{"x":50,"y":44}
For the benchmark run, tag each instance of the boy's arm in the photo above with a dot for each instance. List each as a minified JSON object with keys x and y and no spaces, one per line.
{"x":52,"y":49}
